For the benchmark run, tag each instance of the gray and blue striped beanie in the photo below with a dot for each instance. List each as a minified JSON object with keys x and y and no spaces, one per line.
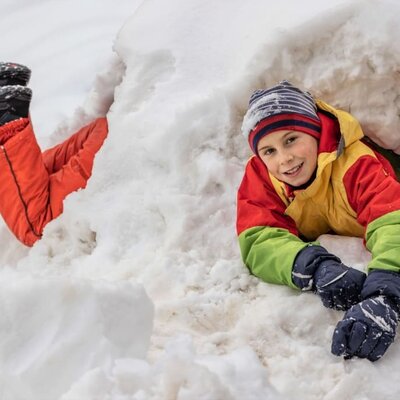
{"x":283,"y":106}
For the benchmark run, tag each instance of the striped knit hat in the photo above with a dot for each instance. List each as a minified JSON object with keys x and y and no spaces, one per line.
{"x":280,"y":107}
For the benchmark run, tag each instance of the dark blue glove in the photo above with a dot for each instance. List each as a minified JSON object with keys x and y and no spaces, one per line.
{"x":369,"y":327}
{"x":338,"y":285}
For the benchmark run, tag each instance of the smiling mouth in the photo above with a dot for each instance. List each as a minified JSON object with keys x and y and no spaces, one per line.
{"x":294,"y":170}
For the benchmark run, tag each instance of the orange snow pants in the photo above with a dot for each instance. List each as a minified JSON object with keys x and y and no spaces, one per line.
{"x":33,"y":184}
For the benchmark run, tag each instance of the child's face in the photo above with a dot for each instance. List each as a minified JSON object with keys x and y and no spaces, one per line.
{"x":290,"y":156}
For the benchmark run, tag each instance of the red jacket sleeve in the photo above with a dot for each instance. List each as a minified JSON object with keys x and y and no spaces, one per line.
{"x":372,"y":189}
{"x":258,"y":204}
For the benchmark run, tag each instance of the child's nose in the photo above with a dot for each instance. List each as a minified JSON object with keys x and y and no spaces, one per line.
{"x":286,"y":158}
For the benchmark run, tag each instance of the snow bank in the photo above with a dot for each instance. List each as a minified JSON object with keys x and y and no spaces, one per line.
{"x":179,"y":374}
{"x":349,"y":58}
{"x":160,"y":208}
{"x":54,"y":330}
{"x":65,"y":43}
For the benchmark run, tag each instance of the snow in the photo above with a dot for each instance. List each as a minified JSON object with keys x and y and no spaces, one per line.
{"x":138,"y":291}
{"x":54,"y":330}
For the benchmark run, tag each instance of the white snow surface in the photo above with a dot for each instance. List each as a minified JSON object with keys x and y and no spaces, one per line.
{"x":137,"y":291}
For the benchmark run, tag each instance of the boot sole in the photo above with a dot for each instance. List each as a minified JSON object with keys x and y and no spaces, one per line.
{"x":13,"y":73}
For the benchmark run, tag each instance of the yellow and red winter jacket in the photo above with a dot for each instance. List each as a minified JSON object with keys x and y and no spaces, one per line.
{"x":33,"y":184}
{"x":354,"y":193}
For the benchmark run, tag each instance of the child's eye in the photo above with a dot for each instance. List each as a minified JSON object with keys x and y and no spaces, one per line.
{"x":291,"y":139}
{"x":268,"y":152}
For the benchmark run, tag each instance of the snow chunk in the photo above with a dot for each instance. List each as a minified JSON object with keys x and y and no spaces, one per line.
{"x":50,"y":325}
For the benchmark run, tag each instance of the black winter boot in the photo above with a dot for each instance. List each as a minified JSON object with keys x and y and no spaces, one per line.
{"x":14,"y":74}
{"x":14,"y":103}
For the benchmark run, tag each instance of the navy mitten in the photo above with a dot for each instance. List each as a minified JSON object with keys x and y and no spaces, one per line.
{"x":338,"y":285}
{"x":369,"y":328}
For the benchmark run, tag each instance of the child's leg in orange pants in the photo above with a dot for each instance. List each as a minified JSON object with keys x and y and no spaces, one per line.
{"x":33,"y":185}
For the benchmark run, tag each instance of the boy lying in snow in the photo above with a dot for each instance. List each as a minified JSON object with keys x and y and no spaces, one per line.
{"x":312,"y":173}
{"x":34,"y":184}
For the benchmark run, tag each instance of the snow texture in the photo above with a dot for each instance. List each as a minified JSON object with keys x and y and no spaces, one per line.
{"x":137,"y":291}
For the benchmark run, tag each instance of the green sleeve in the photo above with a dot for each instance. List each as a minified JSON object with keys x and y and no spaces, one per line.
{"x":383,"y":241}
{"x":269,"y":253}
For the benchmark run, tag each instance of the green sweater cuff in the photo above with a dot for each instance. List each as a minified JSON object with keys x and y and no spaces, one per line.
{"x":383,"y":241}
{"x":269,"y":253}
